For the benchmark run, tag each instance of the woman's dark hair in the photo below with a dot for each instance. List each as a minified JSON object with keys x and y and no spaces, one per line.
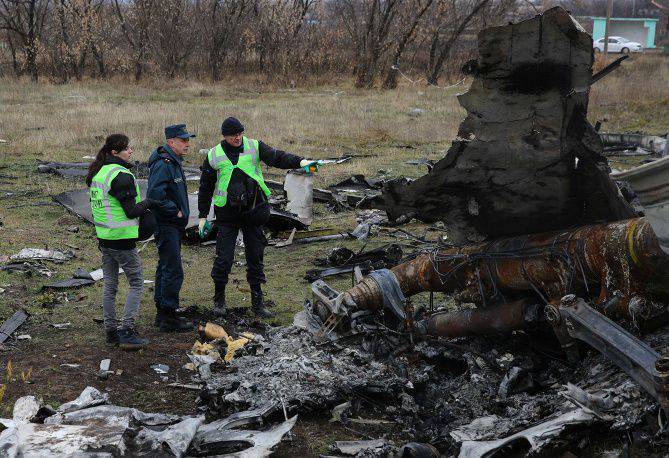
{"x":115,"y":142}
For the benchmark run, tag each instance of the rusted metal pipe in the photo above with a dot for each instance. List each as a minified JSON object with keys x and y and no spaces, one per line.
{"x":623,"y":257}
{"x":481,"y":321}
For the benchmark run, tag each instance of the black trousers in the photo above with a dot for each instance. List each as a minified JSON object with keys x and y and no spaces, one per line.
{"x":254,"y":249}
{"x":169,"y":271}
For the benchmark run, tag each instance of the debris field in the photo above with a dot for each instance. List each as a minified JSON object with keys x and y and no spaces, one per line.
{"x":545,"y":330}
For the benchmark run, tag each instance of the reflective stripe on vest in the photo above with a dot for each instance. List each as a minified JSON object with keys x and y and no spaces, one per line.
{"x":248,"y":162}
{"x":110,"y":220}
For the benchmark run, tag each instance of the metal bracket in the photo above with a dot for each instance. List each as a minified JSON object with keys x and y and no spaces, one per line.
{"x":326,"y":297}
{"x":646,"y":366}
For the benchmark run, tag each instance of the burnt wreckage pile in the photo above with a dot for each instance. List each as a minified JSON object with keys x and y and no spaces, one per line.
{"x":591,"y":271}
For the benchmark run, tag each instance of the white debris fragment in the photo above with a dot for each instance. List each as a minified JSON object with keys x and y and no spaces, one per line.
{"x":26,"y":408}
{"x":537,"y":436}
{"x":37,"y":254}
{"x":88,"y":398}
{"x":61,"y":325}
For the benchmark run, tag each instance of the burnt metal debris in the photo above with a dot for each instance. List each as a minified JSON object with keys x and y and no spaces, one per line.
{"x":634,"y":144}
{"x":90,"y":426}
{"x":518,"y":282}
{"x":525,"y":148}
{"x":539,"y":170}
{"x":620,"y":265}
{"x":12,"y":324}
{"x":344,"y":260}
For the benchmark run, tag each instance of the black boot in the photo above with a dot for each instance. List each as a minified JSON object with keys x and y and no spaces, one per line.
{"x":157,"y":319}
{"x":112,"y":337}
{"x":129,"y":340}
{"x":169,"y":321}
{"x":258,"y":305}
{"x":219,"y":309}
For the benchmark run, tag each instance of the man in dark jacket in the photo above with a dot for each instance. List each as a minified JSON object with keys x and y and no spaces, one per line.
{"x":167,"y":184}
{"x":232,"y":176}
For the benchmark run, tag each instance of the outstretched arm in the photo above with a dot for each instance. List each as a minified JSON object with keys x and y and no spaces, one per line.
{"x":277,"y":158}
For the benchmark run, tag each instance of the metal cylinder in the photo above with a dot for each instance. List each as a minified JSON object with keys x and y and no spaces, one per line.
{"x":589,"y":261}
{"x":481,"y":321}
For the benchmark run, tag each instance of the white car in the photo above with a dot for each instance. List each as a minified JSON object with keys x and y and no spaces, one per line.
{"x":618,"y":44}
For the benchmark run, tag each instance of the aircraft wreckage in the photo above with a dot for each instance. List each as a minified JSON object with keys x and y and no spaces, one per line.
{"x":548,"y":250}
{"x":556,"y":247}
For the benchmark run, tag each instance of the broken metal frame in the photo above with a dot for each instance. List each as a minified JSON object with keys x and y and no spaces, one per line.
{"x":574,"y":319}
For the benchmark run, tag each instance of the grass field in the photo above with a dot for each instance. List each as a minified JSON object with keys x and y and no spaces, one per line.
{"x":65,"y":123}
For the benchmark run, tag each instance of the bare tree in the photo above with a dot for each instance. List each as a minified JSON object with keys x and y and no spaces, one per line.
{"x":226,"y":20}
{"x":448,"y":28}
{"x":300,"y":10}
{"x":24,"y":19}
{"x":277,"y":33}
{"x":77,"y":23}
{"x":369,"y":24}
{"x":172,"y":39}
{"x":289,"y":39}
{"x":419,"y":7}
{"x":136,"y":19}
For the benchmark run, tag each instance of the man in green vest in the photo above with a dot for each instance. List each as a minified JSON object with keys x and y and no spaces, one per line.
{"x":232,"y":176}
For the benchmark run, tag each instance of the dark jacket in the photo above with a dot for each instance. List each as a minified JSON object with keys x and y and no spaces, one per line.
{"x":167,"y":185}
{"x":123,"y":188}
{"x":256,"y":211}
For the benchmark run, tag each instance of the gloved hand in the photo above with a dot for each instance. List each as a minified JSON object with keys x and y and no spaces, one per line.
{"x":204,"y":227}
{"x":309,"y":165}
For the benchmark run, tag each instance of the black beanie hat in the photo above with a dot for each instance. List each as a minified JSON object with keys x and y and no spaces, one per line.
{"x":231,"y":126}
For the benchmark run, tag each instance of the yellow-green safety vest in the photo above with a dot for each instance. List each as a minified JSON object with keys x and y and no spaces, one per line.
{"x":110,"y":220}
{"x":248,"y":162}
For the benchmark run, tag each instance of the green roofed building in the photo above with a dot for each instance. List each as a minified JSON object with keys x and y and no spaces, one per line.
{"x":641,"y":30}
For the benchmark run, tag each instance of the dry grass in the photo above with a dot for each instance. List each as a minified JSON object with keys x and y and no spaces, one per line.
{"x":67,"y":122}
{"x":635,"y":97}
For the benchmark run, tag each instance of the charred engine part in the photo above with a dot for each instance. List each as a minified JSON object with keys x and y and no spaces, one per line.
{"x":526,"y":159}
{"x":332,"y":307}
{"x":573,"y":319}
{"x":620,"y":264}
{"x":481,"y":321}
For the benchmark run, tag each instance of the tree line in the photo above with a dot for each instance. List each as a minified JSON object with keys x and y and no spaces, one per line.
{"x":374,"y":41}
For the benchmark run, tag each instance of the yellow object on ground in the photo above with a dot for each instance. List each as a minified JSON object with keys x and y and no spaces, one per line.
{"x":236,"y":344}
{"x":214,"y":331}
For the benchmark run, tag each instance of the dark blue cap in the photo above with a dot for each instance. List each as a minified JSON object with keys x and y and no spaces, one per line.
{"x":177,"y":130}
{"x":231,"y":126}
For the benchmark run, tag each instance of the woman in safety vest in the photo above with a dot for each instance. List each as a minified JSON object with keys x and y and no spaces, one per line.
{"x":116,"y":207}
